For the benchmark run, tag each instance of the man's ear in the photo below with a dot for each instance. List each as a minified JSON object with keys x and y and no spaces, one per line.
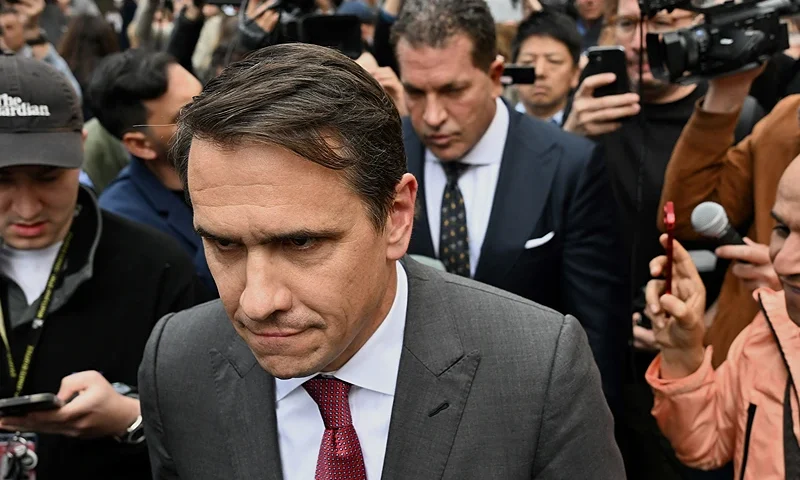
{"x":139,"y":145}
{"x":401,"y":217}
{"x":495,"y":74}
{"x":576,"y":78}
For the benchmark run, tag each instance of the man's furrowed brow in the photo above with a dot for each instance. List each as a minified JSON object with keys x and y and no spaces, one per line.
{"x":204,"y":233}
{"x":277,"y":237}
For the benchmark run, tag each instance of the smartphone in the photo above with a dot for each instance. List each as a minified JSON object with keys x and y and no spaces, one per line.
{"x":608,"y":60}
{"x":518,"y":75}
{"x":669,"y":226}
{"x":18,"y":406}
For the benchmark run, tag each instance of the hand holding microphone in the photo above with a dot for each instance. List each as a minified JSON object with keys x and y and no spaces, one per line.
{"x":753,"y":265}
{"x":710,"y":220}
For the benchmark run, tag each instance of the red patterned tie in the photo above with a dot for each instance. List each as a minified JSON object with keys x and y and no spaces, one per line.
{"x":340,"y":456}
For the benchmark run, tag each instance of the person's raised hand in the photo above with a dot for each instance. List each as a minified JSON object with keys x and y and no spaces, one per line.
{"x":97,"y":411}
{"x":391,"y":84}
{"x":726,"y":94}
{"x":531,"y":6}
{"x":753,"y":265}
{"x":367,"y":62}
{"x":188,"y":8}
{"x":744,"y":79}
{"x":592,"y":115}
{"x":677,"y":318}
{"x":262,"y":14}
{"x":209,"y":11}
{"x":30,"y":10}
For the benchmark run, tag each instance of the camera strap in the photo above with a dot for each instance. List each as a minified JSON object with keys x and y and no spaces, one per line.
{"x":38,"y":321}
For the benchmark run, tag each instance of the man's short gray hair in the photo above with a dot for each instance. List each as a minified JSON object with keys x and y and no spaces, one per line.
{"x":432,"y":23}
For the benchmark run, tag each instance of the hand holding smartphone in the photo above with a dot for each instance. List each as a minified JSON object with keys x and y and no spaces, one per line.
{"x":608,"y":60}
{"x":602,"y":101}
{"x":20,"y":406}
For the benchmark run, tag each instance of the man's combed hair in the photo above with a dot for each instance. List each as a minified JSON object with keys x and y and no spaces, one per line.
{"x":312,"y":101}
{"x":122,"y":83}
{"x":429,"y":23}
{"x":553,"y":24}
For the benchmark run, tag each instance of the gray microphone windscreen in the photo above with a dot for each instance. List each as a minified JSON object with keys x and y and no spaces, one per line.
{"x":709,"y":219}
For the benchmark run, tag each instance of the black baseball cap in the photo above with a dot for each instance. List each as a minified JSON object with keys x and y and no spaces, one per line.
{"x":40,"y":115}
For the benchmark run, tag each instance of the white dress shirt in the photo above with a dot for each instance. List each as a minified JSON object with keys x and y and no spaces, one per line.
{"x":557,"y":118}
{"x":373,"y":373}
{"x":477,"y":185}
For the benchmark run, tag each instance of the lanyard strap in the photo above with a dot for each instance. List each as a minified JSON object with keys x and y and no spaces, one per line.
{"x":791,"y":452}
{"x":777,"y":342}
{"x":38,"y":321}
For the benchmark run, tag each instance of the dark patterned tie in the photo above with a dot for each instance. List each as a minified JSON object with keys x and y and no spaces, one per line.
{"x":340,"y":456}
{"x":454,"y":237}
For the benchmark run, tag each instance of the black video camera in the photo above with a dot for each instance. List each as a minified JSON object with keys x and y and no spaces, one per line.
{"x":300,"y":23}
{"x":734,"y":37}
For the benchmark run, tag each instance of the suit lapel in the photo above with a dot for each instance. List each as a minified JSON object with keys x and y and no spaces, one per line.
{"x":421,"y":242}
{"x":247,"y":403}
{"x":530,"y":160}
{"x":433,"y":385}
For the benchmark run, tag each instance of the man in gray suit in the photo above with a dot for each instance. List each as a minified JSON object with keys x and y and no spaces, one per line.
{"x":329,"y":354}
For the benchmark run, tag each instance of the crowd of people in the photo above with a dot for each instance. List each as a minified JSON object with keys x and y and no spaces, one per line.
{"x":202,"y":214}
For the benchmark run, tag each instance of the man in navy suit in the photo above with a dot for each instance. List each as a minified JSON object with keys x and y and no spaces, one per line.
{"x":137,"y":96}
{"x":508,"y":200}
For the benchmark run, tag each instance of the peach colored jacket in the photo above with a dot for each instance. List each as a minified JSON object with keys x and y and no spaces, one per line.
{"x":705,"y":415}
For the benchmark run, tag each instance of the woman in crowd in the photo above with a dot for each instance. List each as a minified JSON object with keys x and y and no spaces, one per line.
{"x":88,"y":40}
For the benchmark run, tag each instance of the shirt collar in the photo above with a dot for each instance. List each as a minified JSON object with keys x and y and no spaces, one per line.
{"x":556,"y":118}
{"x":26,"y":51}
{"x":375,"y":366}
{"x":489,"y":149}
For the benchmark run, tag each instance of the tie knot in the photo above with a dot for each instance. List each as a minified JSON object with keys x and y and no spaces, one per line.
{"x":331,"y":396}
{"x":454,"y":170}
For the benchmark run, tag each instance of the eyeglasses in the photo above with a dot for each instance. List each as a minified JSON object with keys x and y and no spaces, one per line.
{"x":626,"y":26}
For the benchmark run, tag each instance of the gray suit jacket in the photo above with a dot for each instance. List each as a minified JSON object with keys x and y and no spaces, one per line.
{"x":490,"y":386}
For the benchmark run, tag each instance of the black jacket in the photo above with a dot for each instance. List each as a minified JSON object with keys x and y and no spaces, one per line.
{"x":120,"y":279}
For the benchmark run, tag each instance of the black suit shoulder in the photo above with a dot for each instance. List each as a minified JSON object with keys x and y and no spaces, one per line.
{"x":538,"y":135}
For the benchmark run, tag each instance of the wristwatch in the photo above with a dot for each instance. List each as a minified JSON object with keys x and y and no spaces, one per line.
{"x":134,"y":435}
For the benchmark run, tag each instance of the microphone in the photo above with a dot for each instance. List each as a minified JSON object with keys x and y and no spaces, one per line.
{"x":710,"y":220}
